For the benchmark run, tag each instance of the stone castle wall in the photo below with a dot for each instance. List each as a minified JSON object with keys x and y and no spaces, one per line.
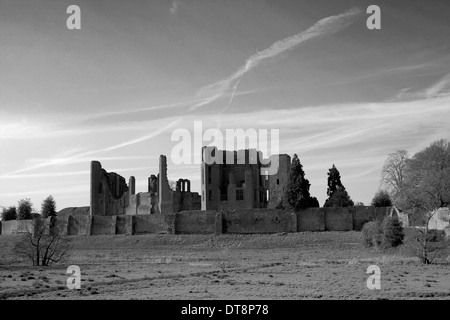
{"x":241,"y":221}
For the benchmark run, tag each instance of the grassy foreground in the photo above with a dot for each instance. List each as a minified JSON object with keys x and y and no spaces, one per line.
{"x":309,"y":265}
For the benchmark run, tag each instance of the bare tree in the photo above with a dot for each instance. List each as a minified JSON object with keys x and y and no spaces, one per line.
{"x":428,"y":245}
{"x":43,"y":243}
{"x":393,"y":172}
{"x":425,"y":189}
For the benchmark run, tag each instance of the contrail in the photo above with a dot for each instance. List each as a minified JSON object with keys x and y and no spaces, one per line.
{"x":324,"y":27}
{"x":70,"y":159}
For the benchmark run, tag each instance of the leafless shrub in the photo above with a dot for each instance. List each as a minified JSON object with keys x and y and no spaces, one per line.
{"x":43,"y":243}
{"x":428,"y":245}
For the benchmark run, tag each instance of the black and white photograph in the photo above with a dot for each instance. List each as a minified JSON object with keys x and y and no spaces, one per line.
{"x":248,"y":151}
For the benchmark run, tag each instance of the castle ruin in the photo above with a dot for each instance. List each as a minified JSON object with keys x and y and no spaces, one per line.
{"x":242,"y":179}
{"x":110,"y":195}
{"x":241,"y":192}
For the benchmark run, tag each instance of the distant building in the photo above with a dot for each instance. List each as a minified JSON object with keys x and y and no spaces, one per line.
{"x":242,"y":179}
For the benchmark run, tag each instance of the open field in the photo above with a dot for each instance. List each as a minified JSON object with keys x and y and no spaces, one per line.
{"x":319,"y":265}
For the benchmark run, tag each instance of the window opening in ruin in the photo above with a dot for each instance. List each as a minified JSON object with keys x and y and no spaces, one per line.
{"x":239,"y":194}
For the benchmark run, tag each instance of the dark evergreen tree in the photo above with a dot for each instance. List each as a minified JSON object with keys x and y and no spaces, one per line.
{"x":297,"y":189}
{"x":313,"y":203}
{"x":48,"y":207}
{"x":337,"y":195}
{"x":334,"y":180}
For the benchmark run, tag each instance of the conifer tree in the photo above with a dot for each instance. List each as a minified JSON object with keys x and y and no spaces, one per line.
{"x":337,"y":195}
{"x":297,"y":189}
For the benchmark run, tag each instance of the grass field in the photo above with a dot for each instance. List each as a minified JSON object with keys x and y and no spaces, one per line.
{"x":319,"y":265}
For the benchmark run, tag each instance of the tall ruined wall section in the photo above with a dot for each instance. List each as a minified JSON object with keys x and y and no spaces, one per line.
{"x":183,"y":199}
{"x":231,"y":179}
{"x":278,"y":181}
{"x":242,"y":179}
{"x":164,"y":191}
{"x":109,"y":192}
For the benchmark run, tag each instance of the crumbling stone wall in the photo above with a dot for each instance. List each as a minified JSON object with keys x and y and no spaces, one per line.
{"x":144,"y":203}
{"x":164,"y":191}
{"x":241,"y":179}
{"x":79,"y":225}
{"x":103,"y":225}
{"x":74,"y":211}
{"x":311,"y":219}
{"x":363,"y":214}
{"x":183,"y":199}
{"x":277,"y":182}
{"x":213,"y":221}
{"x":16,"y":226}
{"x":338,"y":219}
{"x":110,"y":195}
{"x":259,"y":221}
{"x":195,"y":222}
{"x":121,"y":224}
{"x":143,"y":224}
{"x":109,"y":192}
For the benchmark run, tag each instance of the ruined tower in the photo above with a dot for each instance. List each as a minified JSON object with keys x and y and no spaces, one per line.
{"x":165,"y":194}
{"x":97,"y":205}
{"x":132,"y":185}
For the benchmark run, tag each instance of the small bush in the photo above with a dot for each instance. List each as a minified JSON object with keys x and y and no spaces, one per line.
{"x":383,"y":234}
{"x":393,"y":233}
{"x":371,"y":232}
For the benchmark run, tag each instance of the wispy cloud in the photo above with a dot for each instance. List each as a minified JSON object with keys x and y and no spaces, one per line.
{"x":437,"y":89}
{"x":72,"y":173}
{"x":330,"y":128}
{"x":73,"y":157}
{"x":440,"y":87}
{"x":137,"y":140}
{"x":324,"y":27}
{"x":175,"y":5}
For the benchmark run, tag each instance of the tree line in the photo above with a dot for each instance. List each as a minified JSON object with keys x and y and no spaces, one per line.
{"x":420,"y":183}
{"x":24,"y":210}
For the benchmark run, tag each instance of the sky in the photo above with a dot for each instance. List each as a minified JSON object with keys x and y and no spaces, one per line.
{"x":136,"y":71}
